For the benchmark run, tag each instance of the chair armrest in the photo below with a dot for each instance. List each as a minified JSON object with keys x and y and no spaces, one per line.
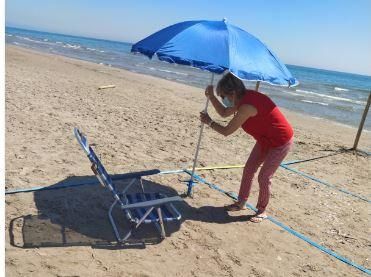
{"x":152,"y":203}
{"x":138,"y":174}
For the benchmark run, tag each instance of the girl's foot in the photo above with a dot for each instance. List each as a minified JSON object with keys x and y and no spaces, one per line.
{"x":257,"y":218}
{"x":236,"y":206}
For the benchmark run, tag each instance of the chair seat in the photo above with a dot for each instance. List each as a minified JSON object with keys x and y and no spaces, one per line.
{"x":169,"y":212}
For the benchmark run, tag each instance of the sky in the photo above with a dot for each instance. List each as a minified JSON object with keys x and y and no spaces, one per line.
{"x":327,"y":34}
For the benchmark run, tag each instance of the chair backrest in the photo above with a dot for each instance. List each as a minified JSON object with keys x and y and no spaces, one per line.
{"x":97,"y":166}
{"x":82,"y":140}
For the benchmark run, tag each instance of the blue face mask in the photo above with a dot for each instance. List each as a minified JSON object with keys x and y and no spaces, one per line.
{"x":227,"y":102}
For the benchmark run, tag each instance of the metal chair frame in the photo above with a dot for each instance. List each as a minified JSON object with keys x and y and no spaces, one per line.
{"x":131,"y":209}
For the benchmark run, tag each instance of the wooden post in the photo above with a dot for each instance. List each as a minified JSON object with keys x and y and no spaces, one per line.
{"x":362,"y":123}
{"x":257,"y":85}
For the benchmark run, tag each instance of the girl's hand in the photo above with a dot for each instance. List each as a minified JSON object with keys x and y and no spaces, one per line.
{"x":205,"y":118}
{"x":209,"y":91}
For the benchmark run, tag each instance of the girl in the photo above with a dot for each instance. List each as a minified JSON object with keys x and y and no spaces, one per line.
{"x":261,"y":118}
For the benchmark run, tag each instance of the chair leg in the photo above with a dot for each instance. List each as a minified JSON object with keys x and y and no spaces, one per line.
{"x":159,"y":212}
{"x":113,"y":221}
{"x":137,"y":225}
{"x":141,"y":184}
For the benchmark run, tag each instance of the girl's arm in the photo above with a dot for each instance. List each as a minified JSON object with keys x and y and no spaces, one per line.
{"x":219,"y":107}
{"x":243,"y":113}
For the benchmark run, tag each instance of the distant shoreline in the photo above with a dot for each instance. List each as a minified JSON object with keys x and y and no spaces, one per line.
{"x":89,"y":62}
{"x":126,"y":42}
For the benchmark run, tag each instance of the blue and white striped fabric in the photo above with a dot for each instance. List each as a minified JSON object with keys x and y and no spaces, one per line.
{"x":169,"y":212}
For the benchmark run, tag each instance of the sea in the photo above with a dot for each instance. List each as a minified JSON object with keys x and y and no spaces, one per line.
{"x":322,"y":94}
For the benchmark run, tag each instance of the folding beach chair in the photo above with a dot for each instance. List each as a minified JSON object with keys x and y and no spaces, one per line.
{"x":138,"y":208}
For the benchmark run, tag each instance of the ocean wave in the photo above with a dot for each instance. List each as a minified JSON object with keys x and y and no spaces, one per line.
{"x":29,"y":39}
{"x":91,"y":49}
{"x":174,"y":72}
{"x":163,"y":70}
{"x":332,"y":97}
{"x":313,"y":102}
{"x":73,"y":46}
{"x":9,"y":35}
{"x":59,"y":42}
{"x":341,"y":89}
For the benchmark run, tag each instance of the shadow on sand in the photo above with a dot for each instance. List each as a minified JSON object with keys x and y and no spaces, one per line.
{"x":78,"y":217}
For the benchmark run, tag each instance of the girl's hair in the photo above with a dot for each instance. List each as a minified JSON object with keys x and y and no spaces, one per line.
{"x":229,"y":83}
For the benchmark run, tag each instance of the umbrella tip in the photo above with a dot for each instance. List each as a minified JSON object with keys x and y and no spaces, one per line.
{"x":224,"y":19}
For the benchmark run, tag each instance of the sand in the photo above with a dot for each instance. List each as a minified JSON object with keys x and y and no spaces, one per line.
{"x":150,"y":123}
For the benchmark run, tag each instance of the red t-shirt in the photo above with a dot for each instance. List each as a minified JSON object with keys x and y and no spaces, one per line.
{"x":269,"y":126}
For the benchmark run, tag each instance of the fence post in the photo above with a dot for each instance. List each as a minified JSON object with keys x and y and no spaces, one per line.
{"x":362,"y":123}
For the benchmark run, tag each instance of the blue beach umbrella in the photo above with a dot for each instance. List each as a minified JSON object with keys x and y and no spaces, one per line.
{"x":216,"y":46}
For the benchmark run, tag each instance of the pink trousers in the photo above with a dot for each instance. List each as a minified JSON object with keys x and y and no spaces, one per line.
{"x":271,"y":159}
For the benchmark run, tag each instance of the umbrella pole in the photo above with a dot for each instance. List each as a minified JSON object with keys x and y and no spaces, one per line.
{"x":190,"y":182}
{"x":257,"y":86}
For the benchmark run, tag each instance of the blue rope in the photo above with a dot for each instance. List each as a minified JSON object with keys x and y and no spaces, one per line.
{"x":292,"y":231}
{"x":50,"y":188}
{"x":93,"y":182}
{"x":325,"y":183}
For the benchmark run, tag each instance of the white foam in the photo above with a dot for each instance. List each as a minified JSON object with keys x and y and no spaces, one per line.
{"x":165,"y":70}
{"x":332,"y":97}
{"x":313,"y":102}
{"x":174,"y":72}
{"x":32,"y":40}
{"x":340,"y":89}
{"x":73,"y":46}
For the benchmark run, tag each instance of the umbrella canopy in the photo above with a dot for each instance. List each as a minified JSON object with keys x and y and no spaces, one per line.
{"x":216,"y":46}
